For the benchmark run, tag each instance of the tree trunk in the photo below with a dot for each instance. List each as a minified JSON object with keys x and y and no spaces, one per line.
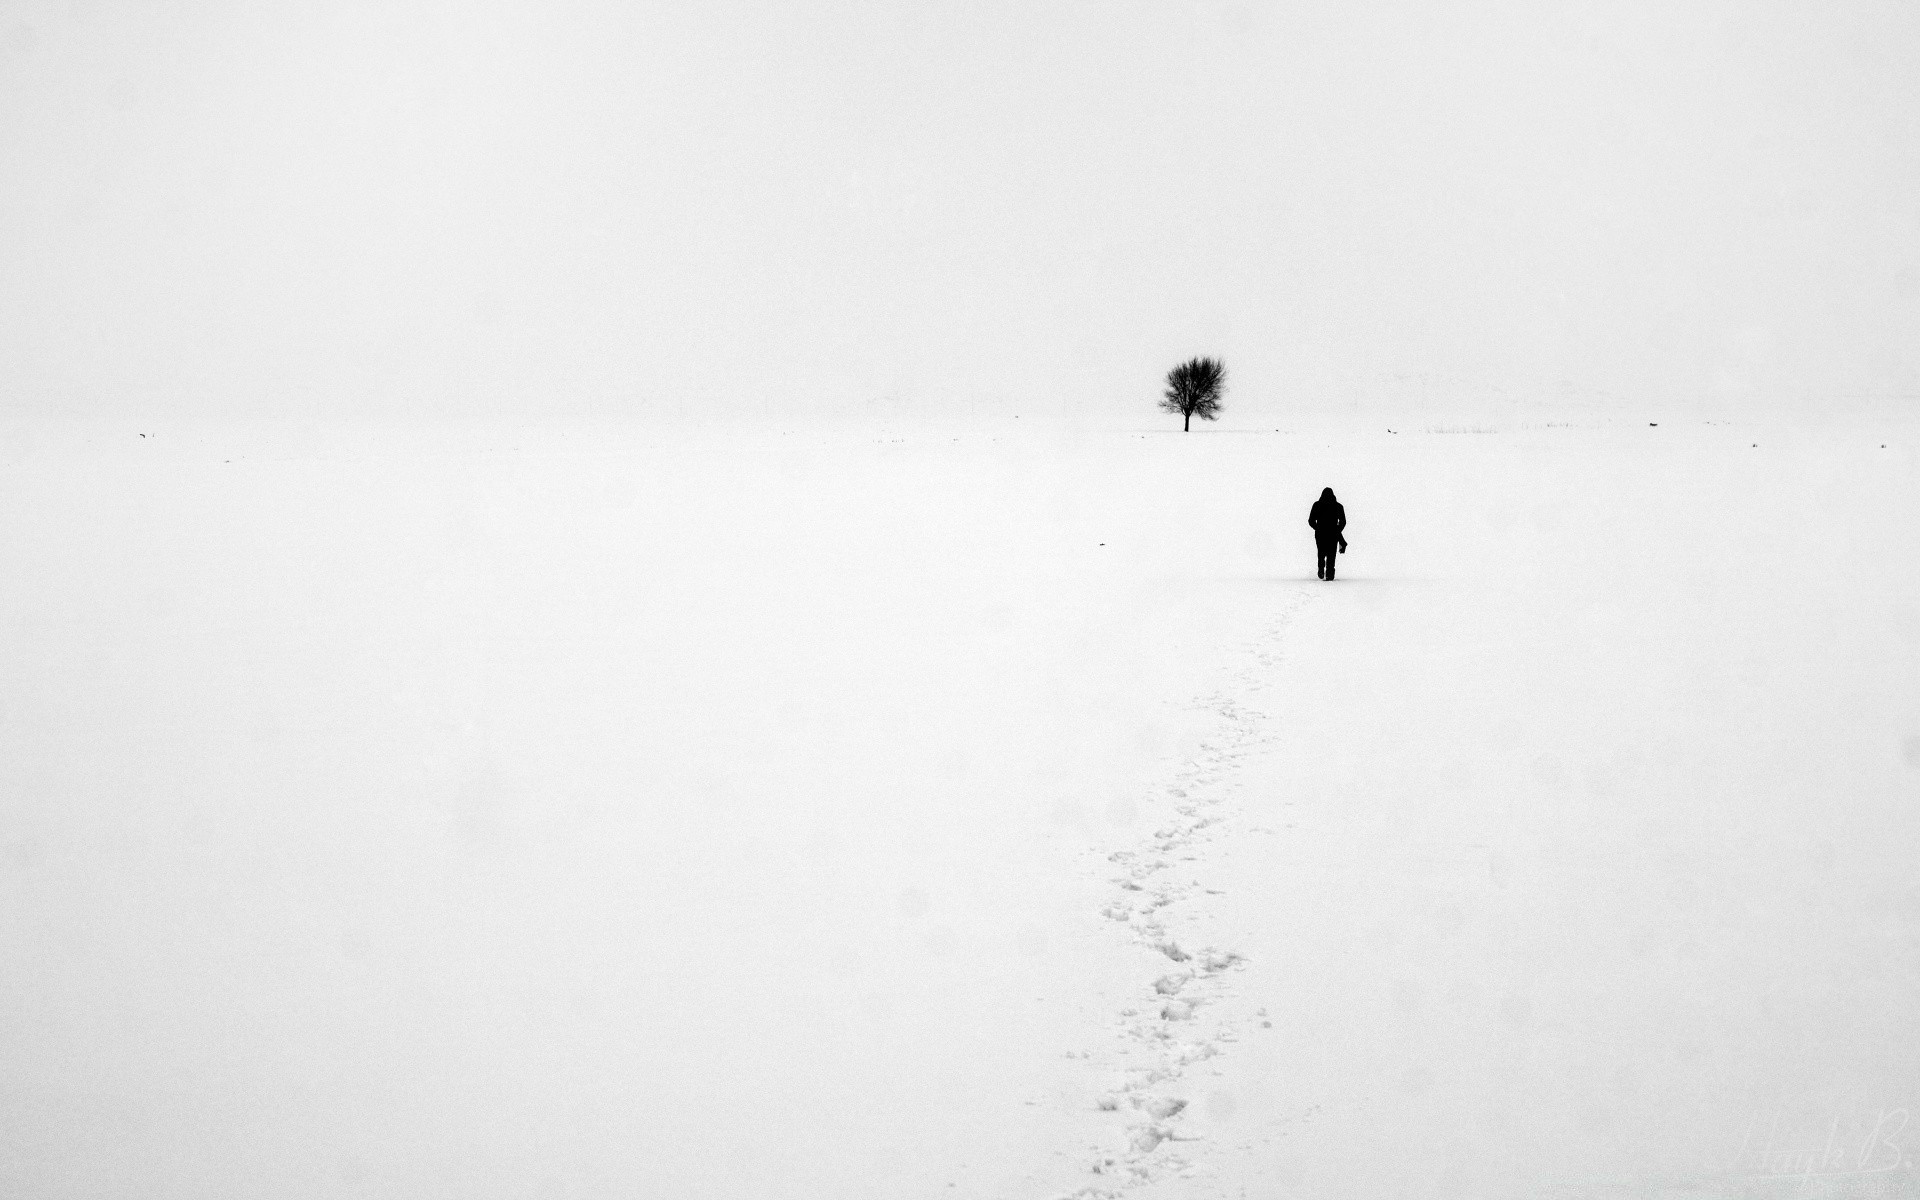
{"x":1188,"y":427}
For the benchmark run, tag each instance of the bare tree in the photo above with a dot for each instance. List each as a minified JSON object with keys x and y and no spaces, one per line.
{"x":1194,"y":389}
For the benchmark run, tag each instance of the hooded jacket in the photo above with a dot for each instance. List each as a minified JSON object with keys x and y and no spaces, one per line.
{"x":1327,"y":517}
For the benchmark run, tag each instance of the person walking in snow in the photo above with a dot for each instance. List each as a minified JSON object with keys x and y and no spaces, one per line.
{"x":1327,"y":519}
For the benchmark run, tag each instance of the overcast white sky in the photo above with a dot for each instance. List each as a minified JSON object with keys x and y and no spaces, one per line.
{"x":336,"y":208}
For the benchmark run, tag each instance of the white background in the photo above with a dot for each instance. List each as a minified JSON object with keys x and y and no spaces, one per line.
{"x":589,"y":592}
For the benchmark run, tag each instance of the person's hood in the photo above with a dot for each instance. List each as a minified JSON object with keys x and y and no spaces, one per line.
{"x":1327,"y":494}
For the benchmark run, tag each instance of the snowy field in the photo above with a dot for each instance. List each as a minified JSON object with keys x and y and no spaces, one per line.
{"x":981,"y":811}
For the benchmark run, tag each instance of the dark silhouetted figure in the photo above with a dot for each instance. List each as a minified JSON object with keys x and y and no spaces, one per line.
{"x":1328,"y":518}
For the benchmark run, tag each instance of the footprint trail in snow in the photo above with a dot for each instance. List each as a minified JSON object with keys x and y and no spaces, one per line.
{"x":1185,"y":1013}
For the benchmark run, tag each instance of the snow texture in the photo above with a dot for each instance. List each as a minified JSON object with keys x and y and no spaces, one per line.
{"x":978,"y":811}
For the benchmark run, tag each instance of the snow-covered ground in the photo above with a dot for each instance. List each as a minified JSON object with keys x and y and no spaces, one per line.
{"x":928,"y":810}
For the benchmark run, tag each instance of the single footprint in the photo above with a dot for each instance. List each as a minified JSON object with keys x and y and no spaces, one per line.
{"x":1146,"y":1138}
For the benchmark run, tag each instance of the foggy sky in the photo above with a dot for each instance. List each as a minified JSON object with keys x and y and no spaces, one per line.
{"x":213,"y":209}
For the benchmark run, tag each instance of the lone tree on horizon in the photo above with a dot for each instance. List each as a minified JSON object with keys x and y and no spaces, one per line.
{"x":1194,"y":389}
